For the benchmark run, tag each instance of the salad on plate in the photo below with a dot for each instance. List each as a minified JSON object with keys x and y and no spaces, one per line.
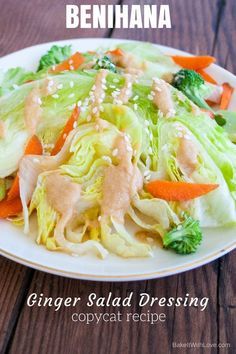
{"x":118,"y":150}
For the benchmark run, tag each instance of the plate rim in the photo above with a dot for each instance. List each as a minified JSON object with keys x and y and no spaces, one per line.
{"x":117,"y":278}
{"x":127,"y":277}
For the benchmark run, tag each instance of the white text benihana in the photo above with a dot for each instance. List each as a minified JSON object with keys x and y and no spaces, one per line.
{"x":118,"y":16}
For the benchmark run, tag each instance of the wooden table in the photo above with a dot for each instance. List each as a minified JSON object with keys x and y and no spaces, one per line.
{"x":199,"y":26}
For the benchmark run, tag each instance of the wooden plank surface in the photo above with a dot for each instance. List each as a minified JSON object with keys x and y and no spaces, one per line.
{"x":199,"y":27}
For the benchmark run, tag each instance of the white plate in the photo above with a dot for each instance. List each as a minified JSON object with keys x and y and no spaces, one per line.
{"x":23,"y":249}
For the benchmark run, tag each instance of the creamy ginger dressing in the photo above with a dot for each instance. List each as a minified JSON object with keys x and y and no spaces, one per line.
{"x":126,"y":61}
{"x":33,"y":102}
{"x":126,"y":91}
{"x":62,"y":193}
{"x":187,"y":155}
{"x":98,"y":92}
{"x":33,"y":110}
{"x":121,"y":182}
{"x":162,"y":97}
{"x":2,"y":130}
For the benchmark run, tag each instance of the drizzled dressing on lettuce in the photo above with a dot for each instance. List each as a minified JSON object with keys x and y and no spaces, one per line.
{"x":123,"y":133}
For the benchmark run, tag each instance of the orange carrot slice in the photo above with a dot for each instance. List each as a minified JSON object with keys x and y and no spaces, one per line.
{"x":72,"y":63}
{"x":193,"y":63}
{"x":178,"y":191}
{"x":14,"y":191}
{"x":33,"y":147}
{"x":67,"y":129}
{"x":207,"y":77}
{"x":116,"y":52}
{"x":226,"y":96}
{"x":10,"y":207}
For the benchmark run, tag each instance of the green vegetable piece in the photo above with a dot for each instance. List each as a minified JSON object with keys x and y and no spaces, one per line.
{"x":230,"y":123}
{"x":54,"y":56}
{"x":192,"y":85}
{"x":2,"y":189}
{"x":185,"y":238}
{"x":220,"y":120}
{"x":105,"y":63}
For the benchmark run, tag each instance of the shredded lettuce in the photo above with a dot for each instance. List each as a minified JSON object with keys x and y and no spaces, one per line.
{"x":155,"y":144}
{"x":13,"y":78}
{"x":54,"y":55}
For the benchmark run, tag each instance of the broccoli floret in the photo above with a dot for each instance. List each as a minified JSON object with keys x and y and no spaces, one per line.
{"x":185,"y":238}
{"x":105,"y":63}
{"x":192,"y":85}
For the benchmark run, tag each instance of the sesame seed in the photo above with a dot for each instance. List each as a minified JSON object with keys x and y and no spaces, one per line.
{"x":187,"y":137}
{"x":79,"y":103}
{"x":75,"y":125}
{"x":129,"y":148}
{"x":115,"y":94}
{"x":146,"y":173}
{"x":70,"y":61}
{"x":158,"y":89}
{"x":95,"y":109}
{"x":115,"y":152}
{"x":35,"y":160}
{"x":164,"y":147}
{"x":71,"y":84}
{"x":150,"y":150}
{"x":101,"y":108}
{"x":152,"y":93}
{"x":150,"y":97}
{"x":107,"y":158}
{"x":135,"y":106}
{"x":71,"y":67}
{"x":115,"y":81}
{"x":135,"y":98}
{"x":53,"y":67}
{"x":103,"y":80}
{"x":60,"y":86}
{"x":64,"y":136}
{"x":112,"y":86}
{"x":93,"y":88}
{"x":126,"y":137}
{"x":55,"y":96}
{"x":99,"y":218}
{"x":71,"y":95}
